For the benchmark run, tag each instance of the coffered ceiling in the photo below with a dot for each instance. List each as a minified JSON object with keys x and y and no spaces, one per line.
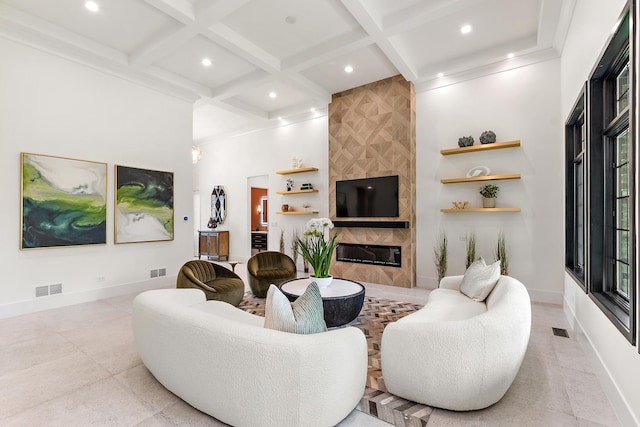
{"x":296,"y":50}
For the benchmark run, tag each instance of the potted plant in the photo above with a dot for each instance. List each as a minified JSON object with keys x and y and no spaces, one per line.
{"x":489,"y":193}
{"x":295,"y":249}
{"x":316,"y":250}
{"x":502,"y":254}
{"x":440,"y":256}
{"x":471,"y":249}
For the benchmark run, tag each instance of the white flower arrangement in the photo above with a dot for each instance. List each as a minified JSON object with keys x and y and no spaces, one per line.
{"x":315,"y":249}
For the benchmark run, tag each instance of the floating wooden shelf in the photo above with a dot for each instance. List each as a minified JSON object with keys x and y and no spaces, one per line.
{"x":481,"y":147}
{"x":297,"y":191}
{"x":299,"y":170}
{"x":480,"y":210}
{"x":298,"y":213}
{"x":480,"y":178}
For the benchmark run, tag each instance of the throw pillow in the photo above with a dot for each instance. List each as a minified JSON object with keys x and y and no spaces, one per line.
{"x":480,"y":279}
{"x":303,"y":316}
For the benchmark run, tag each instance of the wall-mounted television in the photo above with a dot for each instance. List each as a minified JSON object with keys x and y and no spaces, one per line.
{"x":367,"y":197}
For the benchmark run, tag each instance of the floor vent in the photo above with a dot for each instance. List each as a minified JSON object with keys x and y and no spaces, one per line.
{"x":559,"y":332}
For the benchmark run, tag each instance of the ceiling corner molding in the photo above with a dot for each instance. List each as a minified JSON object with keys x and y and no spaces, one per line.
{"x":489,"y":69}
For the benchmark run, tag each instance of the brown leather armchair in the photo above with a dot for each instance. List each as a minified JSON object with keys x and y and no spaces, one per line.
{"x":265,"y":268}
{"x":217,"y":282}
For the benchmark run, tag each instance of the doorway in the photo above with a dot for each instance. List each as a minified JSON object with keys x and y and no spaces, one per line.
{"x":258,"y":212}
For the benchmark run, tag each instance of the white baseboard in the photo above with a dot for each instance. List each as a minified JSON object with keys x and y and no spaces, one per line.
{"x":547,"y":297}
{"x":71,"y":298}
{"x":617,"y":399}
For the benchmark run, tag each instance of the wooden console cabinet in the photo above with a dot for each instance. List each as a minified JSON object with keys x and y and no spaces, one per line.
{"x":214,"y":245}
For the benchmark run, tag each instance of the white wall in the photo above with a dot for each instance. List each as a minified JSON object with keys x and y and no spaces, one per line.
{"x":617,"y":360}
{"x":520,"y":104}
{"x":55,"y":107}
{"x":230,"y":162}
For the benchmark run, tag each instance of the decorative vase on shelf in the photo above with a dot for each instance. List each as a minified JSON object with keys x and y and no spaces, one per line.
{"x":322,"y":282}
{"x":488,"y":137}
{"x":488,"y":202}
{"x":465,"y":141}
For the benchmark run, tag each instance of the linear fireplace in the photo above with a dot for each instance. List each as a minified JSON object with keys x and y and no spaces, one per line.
{"x":390,"y":256}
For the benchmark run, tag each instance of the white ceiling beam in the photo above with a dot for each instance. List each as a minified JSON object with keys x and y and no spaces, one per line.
{"x":238,"y":45}
{"x":94,"y":60}
{"x":325,"y":52}
{"x":373,"y":26}
{"x":195,"y":22}
{"x":208,"y":12}
{"x":236,"y":106}
{"x":180,"y":10}
{"x":304,"y":84}
{"x":548,"y":22}
{"x":421,"y":13}
{"x":566,"y":14}
{"x":178,"y":80}
{"x":298,"y":110}
{"x":160,"y":48}
{"x":53,"y":35}
{"x":242,"y":84}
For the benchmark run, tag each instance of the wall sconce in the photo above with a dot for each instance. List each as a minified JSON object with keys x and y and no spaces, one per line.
{"x":259,"y":209}
{"x":196,"y":154}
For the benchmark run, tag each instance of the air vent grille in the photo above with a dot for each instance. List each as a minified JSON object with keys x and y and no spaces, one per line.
{"x":559,"y":332}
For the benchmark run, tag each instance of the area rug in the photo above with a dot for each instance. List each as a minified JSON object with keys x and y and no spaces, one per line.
{"x":375,"y":315}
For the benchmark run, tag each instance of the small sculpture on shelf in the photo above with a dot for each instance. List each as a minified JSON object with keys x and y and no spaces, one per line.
{"x":306,"y":206}
{"x":488,"y":137}
{"x":212,"y":223}
{"x":465,"y":141}
{"x":460,"y":205}
{"x":289,"y":184}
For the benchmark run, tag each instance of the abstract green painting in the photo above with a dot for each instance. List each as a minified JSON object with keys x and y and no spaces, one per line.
{"x":144,"y":205}
{"x":64,"y":202}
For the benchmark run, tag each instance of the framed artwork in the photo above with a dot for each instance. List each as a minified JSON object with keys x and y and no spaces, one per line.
{"x":143,"y":205}
{"x":64,"y":202}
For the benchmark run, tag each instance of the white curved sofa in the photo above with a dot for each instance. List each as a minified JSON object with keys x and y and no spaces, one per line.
{"x":221,"y":360}
{"x":456,"y":353}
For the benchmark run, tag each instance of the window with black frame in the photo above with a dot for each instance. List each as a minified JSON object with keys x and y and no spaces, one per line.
{"x":611,"y":145}
{"x":575,"y":140}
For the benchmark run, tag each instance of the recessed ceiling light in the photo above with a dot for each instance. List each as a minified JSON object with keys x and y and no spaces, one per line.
{"x":465,"y":29}
{"x":348,"y":69}
{"x":273,"y":95}
{"x":312,"y":109}
{"x":440,"y":74}
{"x":279,"y":117}
{"x":511,"y":55}
{"x":92,"y":6}
{"x":206,"y":62}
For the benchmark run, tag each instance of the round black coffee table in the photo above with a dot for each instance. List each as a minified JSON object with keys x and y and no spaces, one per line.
{"x":342,"y":300}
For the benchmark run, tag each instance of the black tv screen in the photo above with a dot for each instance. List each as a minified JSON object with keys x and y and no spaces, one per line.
{"x":367,"y":197}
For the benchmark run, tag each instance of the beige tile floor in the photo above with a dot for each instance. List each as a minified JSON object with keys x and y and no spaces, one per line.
{"x":78,"y":366}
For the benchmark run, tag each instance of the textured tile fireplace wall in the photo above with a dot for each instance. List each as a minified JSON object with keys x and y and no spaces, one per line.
{"x":372,"y":132}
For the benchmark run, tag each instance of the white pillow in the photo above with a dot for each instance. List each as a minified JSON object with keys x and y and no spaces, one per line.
{"x":480,"y":279}
{"x":303,"y":316}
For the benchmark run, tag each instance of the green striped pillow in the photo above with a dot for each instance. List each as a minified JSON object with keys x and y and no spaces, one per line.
{"x":303,"y":316}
